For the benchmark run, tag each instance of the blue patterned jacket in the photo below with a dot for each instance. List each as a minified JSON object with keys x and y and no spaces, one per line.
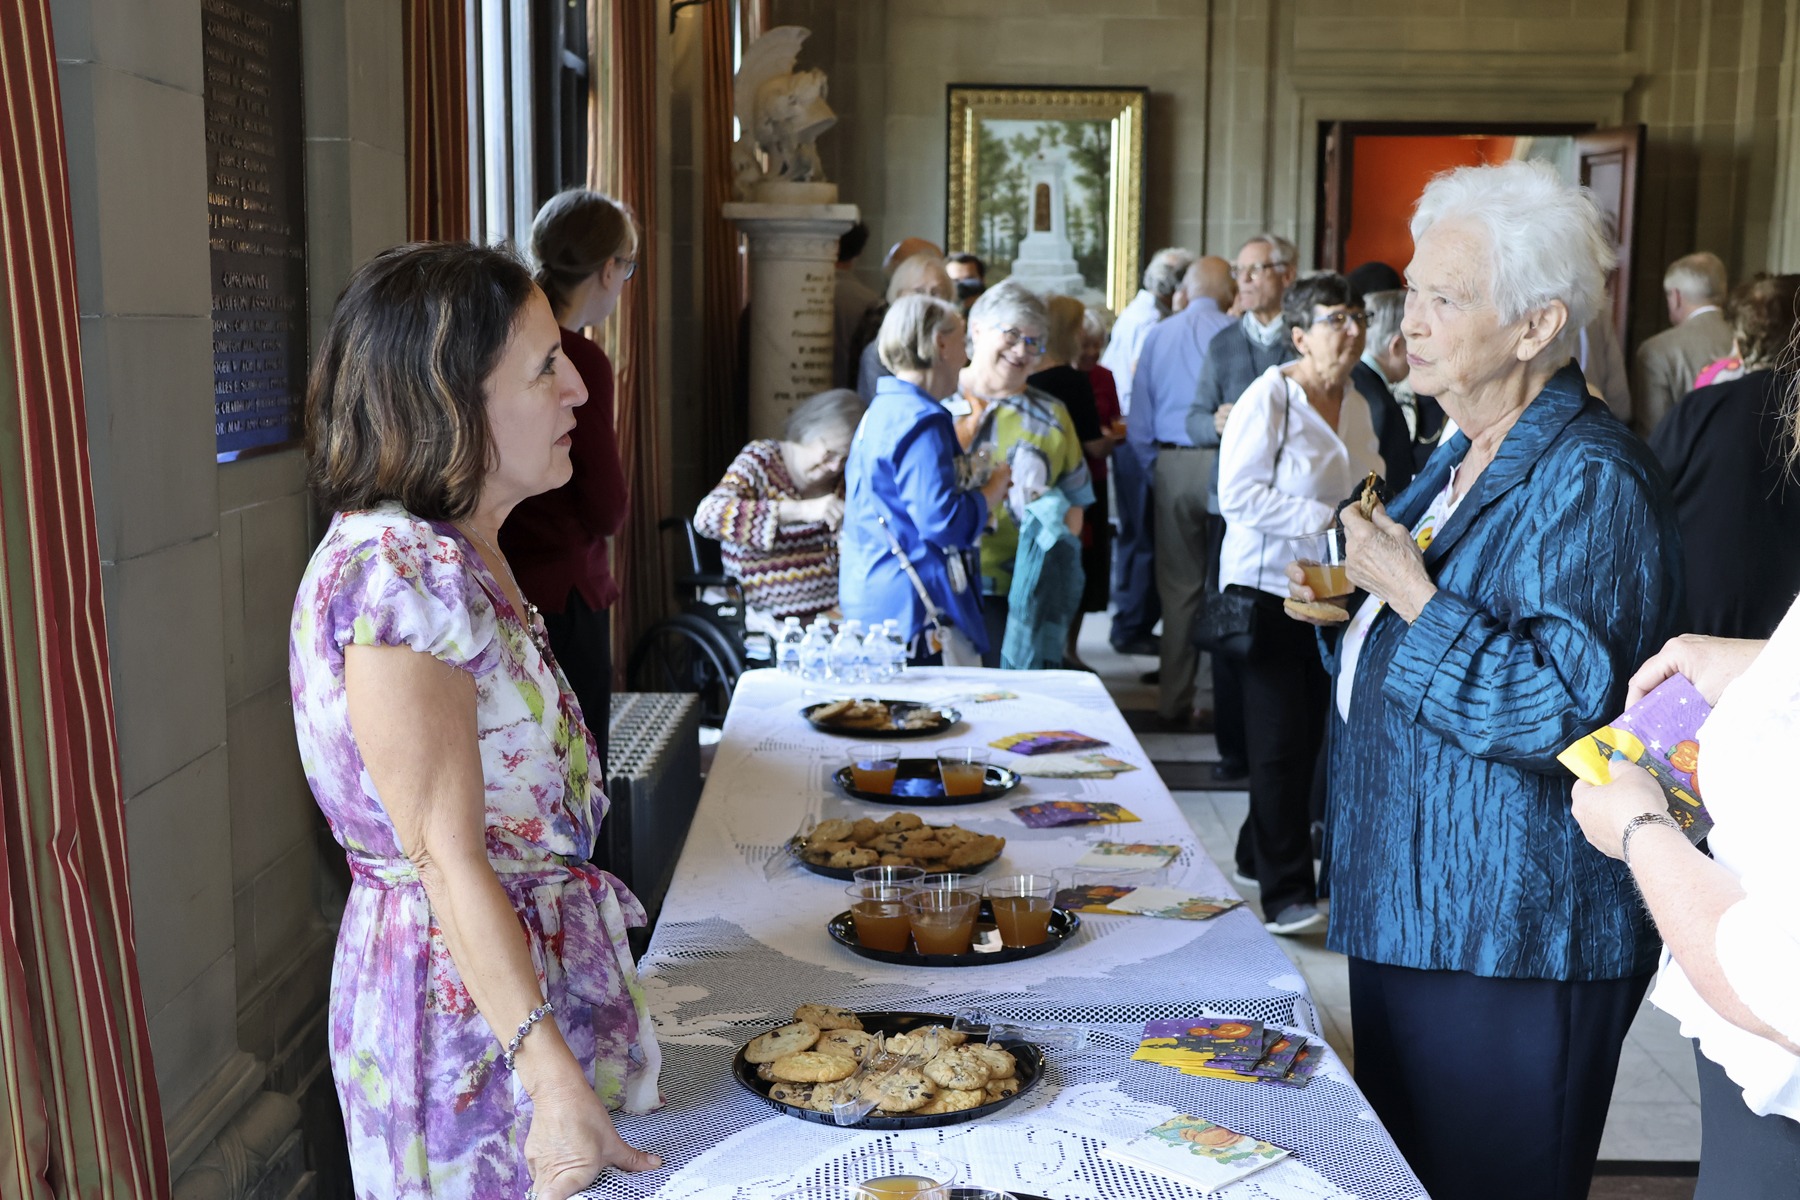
{"x":1451,"y":842}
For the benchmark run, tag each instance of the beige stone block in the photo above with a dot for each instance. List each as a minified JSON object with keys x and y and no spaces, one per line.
{"x":148,"y":390}
{"x":243,"y":926}
{"x":231,"y":601}
{"x":1038,"y":42}
{"x":178,"y":838}
{"x":1197,"y":10}
{"x":156,"y":39}
{"x":374,"y":75}
{"x":194,"y":1035}
{"x":286,"y":909}
{"x":272,"y":808}
{"x":328,"y":217}
{"x":162,"y":625}
{"x":1338,"y":33}
{"x":276,"y":547}
{"x":1469,"y":34}
{"x":1147,"y":46}
{"x":323,"y":55}
{"x":1547,"y":10}
{"x":377,"y":201}
{"x":281,"y":1005}
{"x":1720,"y":103}
{"x":1580,"y":35}
{"x":261,"y":477}
{"x":137,"y":176}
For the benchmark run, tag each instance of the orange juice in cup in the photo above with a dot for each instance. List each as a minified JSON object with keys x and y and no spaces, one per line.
{"x":942,"y":922}
{"x":963,"y":769}
{"x":1022,"y":905}
{"x":878,"y":910}
{"x":873,"y":766}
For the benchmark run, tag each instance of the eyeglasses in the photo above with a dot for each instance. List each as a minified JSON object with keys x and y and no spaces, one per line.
{"x":1249,"y":274}
{"x":1342,"y":319}
{"x":630,"y":264}
{"x":1015,"y":337}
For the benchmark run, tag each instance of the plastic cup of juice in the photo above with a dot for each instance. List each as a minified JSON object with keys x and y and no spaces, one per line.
{"x":1022,"y":906}
{"x":963,"y":769}
{"x":878,"y":910}
{"x":872,"y":767}
{"x":942,"y":922}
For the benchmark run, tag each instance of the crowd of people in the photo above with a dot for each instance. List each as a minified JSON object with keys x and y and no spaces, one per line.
{"x":1534,"y":551}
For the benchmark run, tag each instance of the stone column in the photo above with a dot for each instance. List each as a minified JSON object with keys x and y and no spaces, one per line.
{"x":793,"y":264}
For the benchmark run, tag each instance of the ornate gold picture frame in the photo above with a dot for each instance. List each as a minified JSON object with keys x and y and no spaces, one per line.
{"x":1047,"y":184}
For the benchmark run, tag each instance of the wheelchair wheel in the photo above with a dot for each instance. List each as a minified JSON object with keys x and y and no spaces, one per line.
{"x":687,"y":654}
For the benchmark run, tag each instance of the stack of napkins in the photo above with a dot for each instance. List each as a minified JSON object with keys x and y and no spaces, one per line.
{"x":1230,"y":1048}
{"x":1052,"y":813}
{"x":1119,"y":900}
{"x":1196,"y":1152}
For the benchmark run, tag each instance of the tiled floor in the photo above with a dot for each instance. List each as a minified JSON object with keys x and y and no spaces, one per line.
{"x":1655,"y":1113}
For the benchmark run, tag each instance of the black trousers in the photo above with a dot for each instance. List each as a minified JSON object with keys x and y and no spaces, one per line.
{"x":1227,"y":680}
{"x":1492,"y":1088}
{"x":1742,"y":1156}
{"x":1285,"y":692}
{"x":993,"y":617}
{"x":581,"y":640}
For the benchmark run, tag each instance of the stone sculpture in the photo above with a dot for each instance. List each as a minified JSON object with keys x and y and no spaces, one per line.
{"x":781,"y":113}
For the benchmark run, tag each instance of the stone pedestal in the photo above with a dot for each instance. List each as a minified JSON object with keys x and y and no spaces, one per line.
{"x":793,"y":263}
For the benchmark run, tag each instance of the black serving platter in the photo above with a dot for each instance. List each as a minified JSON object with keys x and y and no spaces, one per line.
{"x":944,"y":719}
{"x":918,"y":784}
{"x":1063,"y":925}
{"x":1030,"y":1070}
{"x":848,"y":874}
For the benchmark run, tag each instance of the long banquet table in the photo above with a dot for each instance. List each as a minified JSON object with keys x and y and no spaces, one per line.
{"x":741,"y":942}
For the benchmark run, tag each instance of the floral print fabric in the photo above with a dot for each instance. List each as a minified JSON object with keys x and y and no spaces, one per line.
{"x":430,"y":1109}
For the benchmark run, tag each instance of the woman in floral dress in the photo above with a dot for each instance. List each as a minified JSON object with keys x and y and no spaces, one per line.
{"x":450,"y":757}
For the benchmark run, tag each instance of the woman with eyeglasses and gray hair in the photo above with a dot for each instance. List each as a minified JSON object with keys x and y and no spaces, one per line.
{"x":1502,"y":602}
{"x":1029,"y":430}
{"x":910,"y":525}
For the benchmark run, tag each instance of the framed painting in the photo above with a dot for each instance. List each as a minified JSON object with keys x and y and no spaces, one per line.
{"x":1047,"y":186}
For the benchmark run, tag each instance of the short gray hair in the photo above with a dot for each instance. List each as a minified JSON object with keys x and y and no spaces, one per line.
{"x":1010,"y":302}
{"x":838,"y":410}
{"x":1699,"y":277}
{"x":1386,"y":310}
{"x":1163,"y":276}
{"x":1281,"y":251}
{"x":921,"y":275}
{"x":907,"y":341}
{"x":1546,"y":237}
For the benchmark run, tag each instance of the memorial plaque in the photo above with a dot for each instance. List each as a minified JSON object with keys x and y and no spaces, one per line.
{"x":256,"y":219}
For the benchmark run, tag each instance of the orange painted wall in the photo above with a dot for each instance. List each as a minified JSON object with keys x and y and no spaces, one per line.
{"x":1386,"y":176}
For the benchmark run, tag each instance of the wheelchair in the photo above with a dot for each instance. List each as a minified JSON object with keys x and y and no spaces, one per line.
{"x":704,"y":647}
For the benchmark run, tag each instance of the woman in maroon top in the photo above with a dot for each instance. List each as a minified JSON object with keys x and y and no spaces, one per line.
{"x":584,"y":246}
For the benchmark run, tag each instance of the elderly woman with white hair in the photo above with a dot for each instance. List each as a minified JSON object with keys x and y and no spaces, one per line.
{"x":1502,"y":606}
{"x":910,"y":526}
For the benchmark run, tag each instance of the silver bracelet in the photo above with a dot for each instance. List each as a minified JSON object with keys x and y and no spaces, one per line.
{"x":1638,"y":822}
{"x":518,"y":1039}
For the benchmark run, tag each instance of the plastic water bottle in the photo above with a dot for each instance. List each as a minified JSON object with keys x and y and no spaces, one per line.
{"x":878,"y":655}
{"x":787,"y":650}
{"x":846,"y":653}
{"x":815,"y":653}
{"x":896,"y":645}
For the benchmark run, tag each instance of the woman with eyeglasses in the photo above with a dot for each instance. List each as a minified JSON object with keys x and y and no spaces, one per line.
{"x":777,"y":512}
{"x":1029,"y":430}
{"x":1298,"y":440}
{"x":583,"y":248}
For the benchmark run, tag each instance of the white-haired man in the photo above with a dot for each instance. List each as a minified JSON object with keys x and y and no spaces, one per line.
{"x":1694,"y":286}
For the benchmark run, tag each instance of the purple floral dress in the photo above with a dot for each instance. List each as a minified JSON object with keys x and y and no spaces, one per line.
{"x":430,"y":1109}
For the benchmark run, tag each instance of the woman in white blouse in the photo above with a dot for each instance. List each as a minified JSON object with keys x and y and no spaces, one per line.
{"x":1298,"y":440}
{"x":1730,"y":923}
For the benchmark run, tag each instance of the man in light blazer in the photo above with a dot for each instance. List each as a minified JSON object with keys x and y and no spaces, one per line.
{"x":1667,"y":364}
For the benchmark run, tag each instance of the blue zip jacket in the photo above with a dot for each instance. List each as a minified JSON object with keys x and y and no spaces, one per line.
{"x":1452,"y":846}
{"x":903,"y":467}
{"x":1046,"y":587}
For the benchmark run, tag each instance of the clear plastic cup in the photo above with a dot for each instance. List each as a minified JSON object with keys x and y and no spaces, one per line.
{"x":963,"y":769}
{"x":1022,"y":905}
{"x":873,"y":765}
{"x":943,"y":922}
{"x":1321,"y":559}
{"x":878,"y":910}
{"x":907,"y":877}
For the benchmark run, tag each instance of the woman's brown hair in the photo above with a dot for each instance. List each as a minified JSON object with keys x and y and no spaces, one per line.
{"x":573,"y":236}
{"x":396,"y":408}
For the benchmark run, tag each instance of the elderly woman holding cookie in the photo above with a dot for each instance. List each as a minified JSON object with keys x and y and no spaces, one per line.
{"x":1503,"y":602}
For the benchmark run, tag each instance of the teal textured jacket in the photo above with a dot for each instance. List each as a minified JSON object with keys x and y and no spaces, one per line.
{"x":1451,"y":844}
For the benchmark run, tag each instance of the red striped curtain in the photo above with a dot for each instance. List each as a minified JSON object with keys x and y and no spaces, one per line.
{"x":78,"y":1108}
{"x":437,"y":121}
{"x":723,"y":418}
{"x":622,"y":117}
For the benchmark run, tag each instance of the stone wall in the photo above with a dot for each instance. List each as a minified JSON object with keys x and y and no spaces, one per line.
{"x":1239,"y":89}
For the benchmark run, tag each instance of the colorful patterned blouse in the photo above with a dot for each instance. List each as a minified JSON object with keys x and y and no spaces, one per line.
{"x":429,"y":1108}
{"x":786,"y":570}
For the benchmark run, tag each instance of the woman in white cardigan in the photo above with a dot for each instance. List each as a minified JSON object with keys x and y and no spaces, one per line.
{"x":1730,"y":923}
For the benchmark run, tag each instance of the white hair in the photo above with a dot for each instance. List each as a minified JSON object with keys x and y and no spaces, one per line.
{"x":1281,"y":251}
{"x":1700,"y":278}
{"x":1166,"y":268}
{"x":1546,"y":237}
{"x":1386,"y":310}
{"x":921,"y":275}
{"x":908,"y":338}
{"x":1010,"y":302}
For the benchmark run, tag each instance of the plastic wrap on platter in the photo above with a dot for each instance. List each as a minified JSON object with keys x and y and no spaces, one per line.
{"x":1067,"y":1039}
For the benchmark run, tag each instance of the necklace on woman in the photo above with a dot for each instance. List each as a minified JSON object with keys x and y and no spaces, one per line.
{"x":493,"y":555}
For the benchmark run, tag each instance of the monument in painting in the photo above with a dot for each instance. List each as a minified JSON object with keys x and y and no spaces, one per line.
{"x":791,"y":217}
{"x":1045,"y":260}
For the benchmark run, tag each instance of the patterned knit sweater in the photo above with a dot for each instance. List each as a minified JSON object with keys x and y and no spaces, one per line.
{"x":786,"y":570}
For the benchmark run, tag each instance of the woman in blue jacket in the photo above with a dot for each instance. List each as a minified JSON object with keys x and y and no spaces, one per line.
{"x":910,"y":529}
{"x":1503,"y":606}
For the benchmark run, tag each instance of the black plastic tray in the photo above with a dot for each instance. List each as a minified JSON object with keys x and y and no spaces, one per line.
{"x":917,"y":784}
{"x":1063,"y":925}
{"x":1030,"y":1070}
{"x":848,"y":874}
{"x":948,"y":717}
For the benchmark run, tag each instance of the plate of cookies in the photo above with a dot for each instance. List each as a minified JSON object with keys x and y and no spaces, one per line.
{"x":888,"y":718}
{"x":838,"y":847}
{"x":920,"y":781}
{"x":915,"y":1070}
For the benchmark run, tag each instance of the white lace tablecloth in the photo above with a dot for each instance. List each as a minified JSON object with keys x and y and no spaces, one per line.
{"x":739,"y":945}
